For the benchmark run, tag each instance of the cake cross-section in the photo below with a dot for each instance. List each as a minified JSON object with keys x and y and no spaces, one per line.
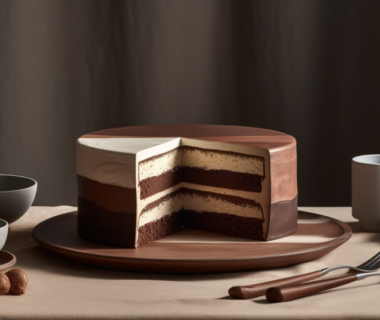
{"x":139,"y":184}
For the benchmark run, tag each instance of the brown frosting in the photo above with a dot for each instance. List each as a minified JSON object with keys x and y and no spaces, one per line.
{"x":283,"y":219}
{"x":109,"y":197}
{"x":104,"y":226}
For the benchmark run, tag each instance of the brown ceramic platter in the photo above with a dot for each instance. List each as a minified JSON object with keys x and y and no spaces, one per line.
{"x":7,"y":260}
{"x":191,"y":251}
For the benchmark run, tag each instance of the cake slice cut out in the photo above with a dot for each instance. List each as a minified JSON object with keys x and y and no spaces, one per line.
{"x":224,"y":189}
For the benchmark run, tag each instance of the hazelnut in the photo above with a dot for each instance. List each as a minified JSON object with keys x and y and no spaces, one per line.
{"x":5,"y":284}
{"x":18,"y":281}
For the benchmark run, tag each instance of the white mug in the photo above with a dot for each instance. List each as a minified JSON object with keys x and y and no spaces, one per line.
{"x":366,"y":191}
{"x":3,"y":232}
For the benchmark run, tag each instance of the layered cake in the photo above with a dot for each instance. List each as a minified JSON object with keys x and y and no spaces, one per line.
{"x":139,"y":184}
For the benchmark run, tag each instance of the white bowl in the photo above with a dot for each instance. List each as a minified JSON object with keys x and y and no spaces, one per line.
{"x":3,"y":232}
{"x":16,"y":196}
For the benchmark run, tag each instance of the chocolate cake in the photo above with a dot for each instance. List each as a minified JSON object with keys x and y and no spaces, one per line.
{"x":139,"y":184}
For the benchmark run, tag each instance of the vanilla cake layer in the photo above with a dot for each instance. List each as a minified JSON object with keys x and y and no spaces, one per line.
{"x":207,"y":159}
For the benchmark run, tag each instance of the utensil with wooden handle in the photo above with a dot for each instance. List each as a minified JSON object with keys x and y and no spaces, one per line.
{"x":259,"y":289}
{"x":283,"y":294}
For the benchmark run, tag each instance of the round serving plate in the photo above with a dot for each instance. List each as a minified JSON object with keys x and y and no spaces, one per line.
{"x":191,"y":251}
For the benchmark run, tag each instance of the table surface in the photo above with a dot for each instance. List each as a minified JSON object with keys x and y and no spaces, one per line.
{"x":61,"y":289}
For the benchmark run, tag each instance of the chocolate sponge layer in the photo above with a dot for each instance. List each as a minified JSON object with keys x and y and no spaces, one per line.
{"x":226,"y":224}
{"x":159,"y":228}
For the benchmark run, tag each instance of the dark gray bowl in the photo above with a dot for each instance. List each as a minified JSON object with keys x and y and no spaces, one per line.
{"x":16,"y":196}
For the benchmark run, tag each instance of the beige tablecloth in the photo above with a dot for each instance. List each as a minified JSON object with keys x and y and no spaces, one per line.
{"x":61,"y":289}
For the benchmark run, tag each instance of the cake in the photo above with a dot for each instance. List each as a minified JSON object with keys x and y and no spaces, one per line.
{"x":139,"y":184}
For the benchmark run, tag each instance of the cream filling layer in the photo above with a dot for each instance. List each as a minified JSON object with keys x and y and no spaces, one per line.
{"x":206,"y":159}
{"x":144,"y":202}
{"x":195,"y":202}
{"x":257,"y":197}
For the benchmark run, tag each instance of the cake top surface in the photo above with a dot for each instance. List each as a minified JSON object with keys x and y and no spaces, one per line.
{"x":122,"y":144}
{"x":249,"y":136}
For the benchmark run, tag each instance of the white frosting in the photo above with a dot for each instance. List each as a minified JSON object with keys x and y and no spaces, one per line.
{"x":109,"y":168}
{"x":113,"y":160}
{"x":123,"y":145}
{"x":159,"y":149}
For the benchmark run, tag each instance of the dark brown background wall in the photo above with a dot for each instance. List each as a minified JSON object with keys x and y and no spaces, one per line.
{"x":310,"y":68}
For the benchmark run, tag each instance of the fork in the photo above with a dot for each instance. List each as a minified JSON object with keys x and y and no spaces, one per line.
{"x":306,"y":289}
{"x":256,"y":290}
